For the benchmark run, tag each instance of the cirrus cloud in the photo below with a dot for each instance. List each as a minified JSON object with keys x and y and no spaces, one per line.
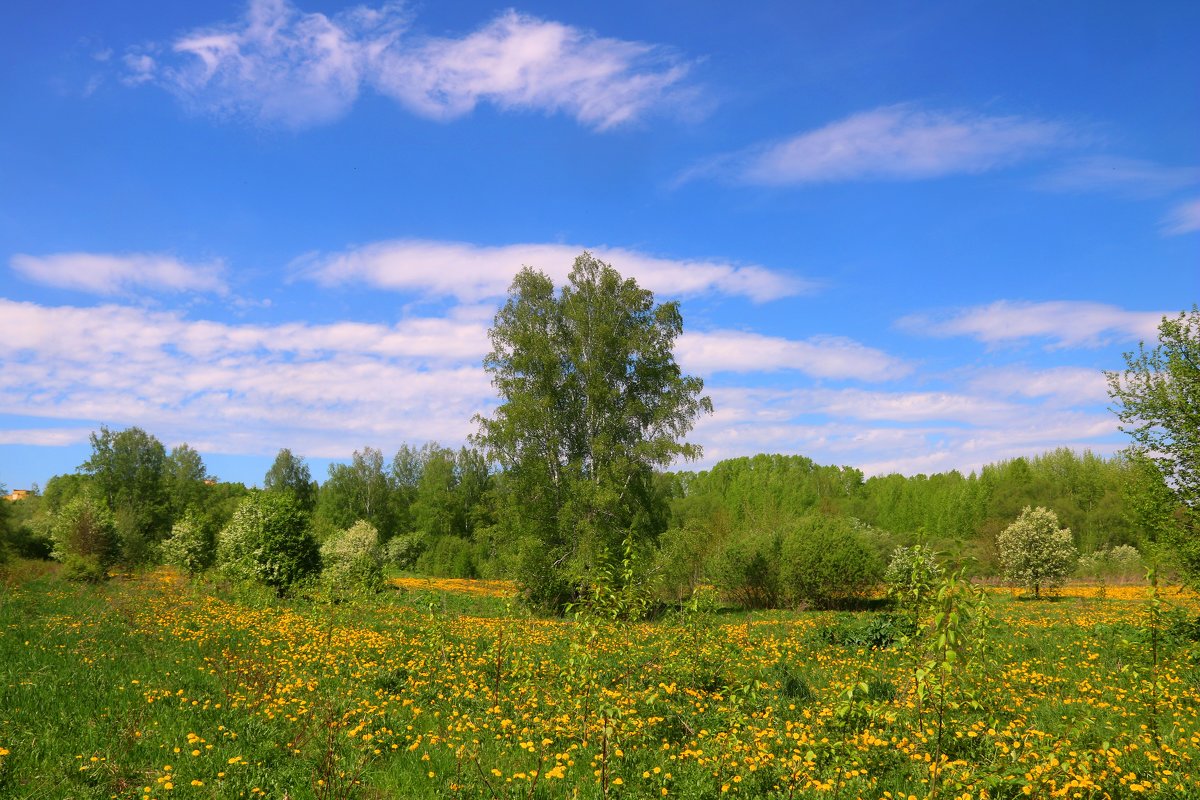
{"x":278,"y":65}
{"x":899,"y":142}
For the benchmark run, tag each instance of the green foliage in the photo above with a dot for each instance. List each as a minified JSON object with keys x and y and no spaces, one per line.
{"x":1035,"y":552}
{"x":591,"y":403}
{"x":681,"y":558}
{"x":268,"y":540}
{"x":128,"y":470}
{"x":1158,"y":396}
{"x":185,"y":475}
{"x":449,"y":557}
{"x":191,"y":545}
{"x":1120,"y":563}
{"x":84,"y":532}
{"x":912,"y":575}
{"x":827,"y":564}
{"x":874,"y":631}
{"x":353,"y":559}
{"x":289,"y":473}
{"x":403,"y":550}
{"x":747,"y":570}
{"x":360,"y":490}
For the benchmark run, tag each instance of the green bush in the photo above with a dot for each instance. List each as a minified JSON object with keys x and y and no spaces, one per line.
{"x":268,"y":540}
{"x":85,"y":537}
{"x":747,"y":570}
{"x":353,"y":559}
{"x":826,"y":564}
{"x":191,"y":545}
{"x":84,"y":568}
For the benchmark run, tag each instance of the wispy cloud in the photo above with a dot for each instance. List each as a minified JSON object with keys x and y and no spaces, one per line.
{"x":1126,"y":176}
{"x":278,"y":65}
{"x":1184,"y":218}
{"x":898,"y":142}
{"x":1066,"y":323}
{"x":115,"y":274}
{"x":821,"y":357}
{"x":471,"y":273}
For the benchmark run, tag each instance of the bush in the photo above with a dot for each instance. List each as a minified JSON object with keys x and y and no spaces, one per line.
{"x":191,"y":545}
{"x":1121,"y":563}
{"x":826,"y":564}
{"x":746,"y":570}
{"x":85,"y":538}
{"x":403,"y":549}
{"x":268,"y":540}
{"x":1035,"y":552}
{"x":353,"y":559}
{"x":84,"y":568}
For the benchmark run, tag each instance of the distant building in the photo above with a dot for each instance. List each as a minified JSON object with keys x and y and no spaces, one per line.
{"x":18,"y":494}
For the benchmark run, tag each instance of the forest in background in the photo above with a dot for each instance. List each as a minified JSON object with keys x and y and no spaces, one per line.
{"x":443,"y":512}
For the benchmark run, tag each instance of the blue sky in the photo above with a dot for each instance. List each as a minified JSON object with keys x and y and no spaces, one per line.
{"x":905,"y":237}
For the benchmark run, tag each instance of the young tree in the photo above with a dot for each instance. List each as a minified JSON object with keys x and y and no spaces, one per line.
{"x":185,"y":476}
{"x":1035,"y":552}
{"x":289,"y":473}
{"x":128,"y":470}
{"x":85,"y":538}
{"x":1158,"y":399}
{"x":591,"y":403}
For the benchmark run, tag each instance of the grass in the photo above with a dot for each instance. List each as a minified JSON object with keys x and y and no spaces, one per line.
{"x":151,"y":686}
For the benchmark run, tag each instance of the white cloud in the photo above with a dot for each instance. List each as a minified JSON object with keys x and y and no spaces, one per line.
{"x":44,"y":437}
{"x":1067,"y":385}
{"x":897,"y":142}
{"x":472,"y":273}
{"x":1067,"y":323}
{"x":821,"y":357}
{"x":113,"y":274}
{"x":903,"y":431}
{"x":521,"y":62}
{"x":1129,"y":176}
{"x":280,"y":65}
{"x":244,"y":388}
{"x":1184,"y":218}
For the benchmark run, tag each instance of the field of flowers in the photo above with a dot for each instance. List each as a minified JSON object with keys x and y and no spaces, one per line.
{"x":151,"y":686}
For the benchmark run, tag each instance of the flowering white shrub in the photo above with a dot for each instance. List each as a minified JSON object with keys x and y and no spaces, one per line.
{"x":353,"y":559}
{"x":1035,"y":552}
{"x":190,"y":546}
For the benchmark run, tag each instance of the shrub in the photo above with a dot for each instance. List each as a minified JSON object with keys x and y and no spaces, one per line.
{"x":85,"y":538}
{"x":353,"y":559}
{"x":746,"y":570}
{"x":403,"y":549}
{"x":826,"y":564}
{"x":1035,"y":552}
{"x":912,"y":576}
{"x":268,"y":540}
{"x":191,"y":545}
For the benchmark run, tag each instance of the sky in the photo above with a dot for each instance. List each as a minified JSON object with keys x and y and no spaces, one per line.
{"x":905,"y":237}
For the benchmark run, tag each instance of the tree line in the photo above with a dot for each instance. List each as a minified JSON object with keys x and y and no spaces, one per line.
{"x":568,"y":489}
